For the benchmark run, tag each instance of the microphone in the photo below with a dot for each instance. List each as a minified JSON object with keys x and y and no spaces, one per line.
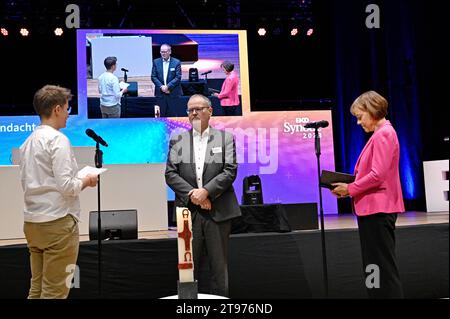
{"x":316,"y":125}
{"x":95,"y":137}
{"x":124,"y":70}
{"x":207,"y":72}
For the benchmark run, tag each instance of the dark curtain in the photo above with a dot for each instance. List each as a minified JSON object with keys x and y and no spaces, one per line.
{"x":405,"y":60}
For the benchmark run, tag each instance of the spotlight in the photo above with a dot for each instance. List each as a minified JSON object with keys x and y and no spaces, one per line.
{"x":262,"y":32}
{"x":310,"y":32}
{"x":58,"y":32}
{"x":294,"y":31}
{"x":4,"y":32}
{"x":24,"y":32}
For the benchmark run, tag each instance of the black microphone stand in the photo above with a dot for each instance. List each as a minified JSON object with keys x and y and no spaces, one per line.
{"x":99,"y":164}
{"x":322,"y":227}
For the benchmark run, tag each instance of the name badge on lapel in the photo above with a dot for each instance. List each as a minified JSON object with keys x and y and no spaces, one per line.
{"x":216,"y":150}
{"x":172,"y":69}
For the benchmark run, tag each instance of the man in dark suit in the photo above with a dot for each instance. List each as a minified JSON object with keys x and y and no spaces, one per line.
{"x":166,"y":75}
{"x":201,"y":169}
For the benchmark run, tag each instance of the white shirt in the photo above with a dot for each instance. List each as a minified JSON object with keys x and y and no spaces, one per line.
{"x":200,"y":145}
{"x":166,"y":65}
{"x":108,"y":87}
{"x":48,"y":172}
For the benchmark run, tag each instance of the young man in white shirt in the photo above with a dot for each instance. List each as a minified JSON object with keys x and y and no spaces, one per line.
{"x":109,"y":89}
{"x":48,"y":172}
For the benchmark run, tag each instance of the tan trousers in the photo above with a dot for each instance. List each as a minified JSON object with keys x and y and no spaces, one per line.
{"x":53,"y":247}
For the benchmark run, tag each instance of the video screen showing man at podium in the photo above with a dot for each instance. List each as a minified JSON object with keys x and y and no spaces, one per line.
{"x":141,"y":54}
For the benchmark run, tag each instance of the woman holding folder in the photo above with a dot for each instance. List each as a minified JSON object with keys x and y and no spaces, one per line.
{"x":229,"y":96}
{"x":377,"y":196}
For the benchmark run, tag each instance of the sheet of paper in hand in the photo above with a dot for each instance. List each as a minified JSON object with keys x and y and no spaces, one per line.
{"x":82,"y":173}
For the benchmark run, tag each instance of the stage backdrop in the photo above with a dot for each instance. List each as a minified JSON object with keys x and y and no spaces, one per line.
{"x":273,"y":145}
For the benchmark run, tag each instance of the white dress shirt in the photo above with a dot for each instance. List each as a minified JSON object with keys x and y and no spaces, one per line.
{"x":200,"y":145}
{"x":166,"y":65}
{"x":109,"y":89}
{"x":48,"y":172}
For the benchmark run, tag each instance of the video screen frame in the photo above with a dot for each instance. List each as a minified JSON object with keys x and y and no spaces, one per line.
{"x":213,"y":47}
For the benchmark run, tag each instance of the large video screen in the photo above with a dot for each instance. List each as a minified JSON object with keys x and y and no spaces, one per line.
{"x":201,"y":54}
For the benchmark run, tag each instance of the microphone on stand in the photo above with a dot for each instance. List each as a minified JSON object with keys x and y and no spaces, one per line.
{"x":95,"y":137}
{"x":316,"y":125}
{"x":125,"y":76}
{"x":207,"y":72}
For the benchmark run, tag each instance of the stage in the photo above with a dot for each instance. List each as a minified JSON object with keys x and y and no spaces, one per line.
{"x":262,"y":265}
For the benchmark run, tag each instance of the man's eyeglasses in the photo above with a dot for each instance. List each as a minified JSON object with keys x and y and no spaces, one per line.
{"x":196,"y":109}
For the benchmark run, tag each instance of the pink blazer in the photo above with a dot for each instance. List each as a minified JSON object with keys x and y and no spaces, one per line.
{"x":229,"y":95}
{"x":377,"y":188}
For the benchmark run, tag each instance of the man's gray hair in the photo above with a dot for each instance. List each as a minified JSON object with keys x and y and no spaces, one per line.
{"x":204,"y":98}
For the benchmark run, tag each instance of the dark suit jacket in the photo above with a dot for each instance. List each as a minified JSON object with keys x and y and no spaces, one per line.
{"x":173,"y":77}
{"x":219,"y":172}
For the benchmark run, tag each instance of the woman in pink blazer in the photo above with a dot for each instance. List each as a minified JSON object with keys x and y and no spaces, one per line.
{"x":377,"y":196}
{"x":229,"y":96}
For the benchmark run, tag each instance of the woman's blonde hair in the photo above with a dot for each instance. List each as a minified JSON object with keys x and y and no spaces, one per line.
{"x":371,"y":102}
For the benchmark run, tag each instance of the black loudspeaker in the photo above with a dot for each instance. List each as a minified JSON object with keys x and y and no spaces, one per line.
{"x":116,"y":224}
{"x":252,"y":191}
{"x":193,"y":75}
{"x":132,"y":89}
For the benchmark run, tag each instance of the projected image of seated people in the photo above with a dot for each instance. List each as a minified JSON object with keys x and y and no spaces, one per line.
{"x":159,"y":70}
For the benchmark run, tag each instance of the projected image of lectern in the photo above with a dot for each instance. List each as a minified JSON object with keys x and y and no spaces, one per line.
{"x":252,"y":191}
